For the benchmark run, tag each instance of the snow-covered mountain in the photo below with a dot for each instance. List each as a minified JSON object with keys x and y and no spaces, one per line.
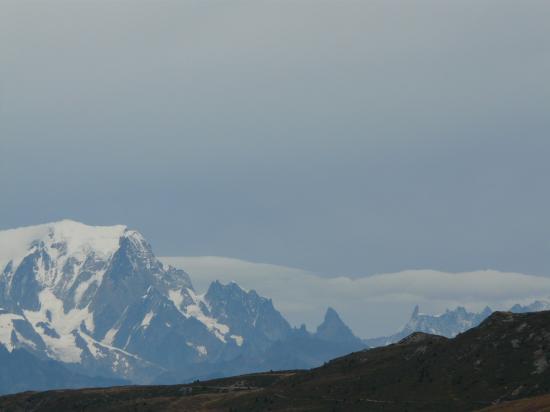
{"x":98,"y":300}
{"x":450,"y":323}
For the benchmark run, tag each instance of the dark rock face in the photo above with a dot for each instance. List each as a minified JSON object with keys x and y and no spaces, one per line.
{"x":23,"y":287}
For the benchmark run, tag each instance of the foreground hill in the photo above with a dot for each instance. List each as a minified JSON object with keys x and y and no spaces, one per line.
{"x":536,"y":404}
{"x":505,"y":358}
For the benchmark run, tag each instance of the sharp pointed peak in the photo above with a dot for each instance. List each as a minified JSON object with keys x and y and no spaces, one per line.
{"x":333,"y":328}
{"x":487,"y":310}
{"x":332,"y":317}
{"x":331,"y":312}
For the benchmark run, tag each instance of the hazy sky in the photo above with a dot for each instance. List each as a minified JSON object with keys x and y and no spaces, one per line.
{"x":342,"y":137}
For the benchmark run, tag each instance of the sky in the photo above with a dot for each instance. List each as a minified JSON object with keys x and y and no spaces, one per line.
{"x":344,"y":138}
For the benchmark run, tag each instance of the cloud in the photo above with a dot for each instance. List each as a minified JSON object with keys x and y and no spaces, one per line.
{"x":371,"y":305}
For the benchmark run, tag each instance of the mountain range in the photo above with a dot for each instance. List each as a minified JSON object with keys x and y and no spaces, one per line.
{"x":98,"y":303}
{"x":93,"y":306}
{"x":450,"y":323}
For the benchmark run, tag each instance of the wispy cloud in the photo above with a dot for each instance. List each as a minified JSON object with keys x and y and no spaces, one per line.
{"x":372,"y":305}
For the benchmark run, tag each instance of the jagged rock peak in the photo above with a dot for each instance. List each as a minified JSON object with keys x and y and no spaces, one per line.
{"x":246,"y":311}
{"x":334,"y":329}
{"x":332,"y":316}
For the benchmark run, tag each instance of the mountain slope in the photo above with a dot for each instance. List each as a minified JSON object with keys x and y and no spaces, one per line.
{"x":20,"y":371}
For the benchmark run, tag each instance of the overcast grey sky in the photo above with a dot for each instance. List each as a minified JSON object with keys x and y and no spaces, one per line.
{"x":342,"y":137}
